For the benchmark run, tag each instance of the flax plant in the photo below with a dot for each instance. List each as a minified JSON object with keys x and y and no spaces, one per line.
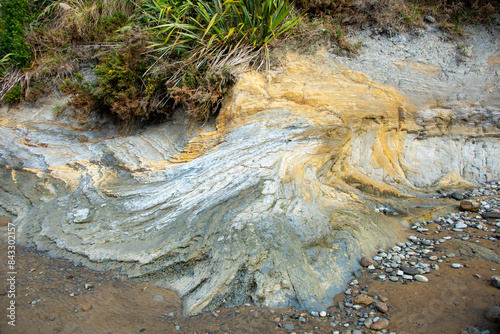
{"x":215,"y":33}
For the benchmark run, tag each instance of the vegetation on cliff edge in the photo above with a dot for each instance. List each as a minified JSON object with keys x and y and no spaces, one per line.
{"x":143,"y":58}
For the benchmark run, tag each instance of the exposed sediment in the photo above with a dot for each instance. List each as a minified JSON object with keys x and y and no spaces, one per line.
{"x":274,"y":204}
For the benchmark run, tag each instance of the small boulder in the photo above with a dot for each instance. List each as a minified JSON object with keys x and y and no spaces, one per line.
{"x":458,"y":195}
{"x":380,"y":324}
{"x":495,"y":281}
{"x":382,"y":307}
{"x":421,"y":278}
{"x":367,"y":261}
{"x":491,"y":214}
{"x":410,"y":270}
{"x":472,"y":206}
{"x":363,"y":300}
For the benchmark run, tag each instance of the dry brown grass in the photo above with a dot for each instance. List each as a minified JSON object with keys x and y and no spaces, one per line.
{"x":398,"y":15}
{"x":80,"y":19}
{"x":331,"y":22}
{"x":64,"y":36}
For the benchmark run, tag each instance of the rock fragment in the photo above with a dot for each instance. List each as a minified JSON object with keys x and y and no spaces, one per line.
{"x":458,"y":195}
{"x":409,"y":270}
{"x":86,"y":308}
{"x":421,"y":278}
{"x":491,"y":214}
{"x":367,"y":261}
{"x":495,"y":281}
{"x":382,"y":307}
{"x":363,"y":300}
{"x":380,"y":324}
{"x":472,"y":206}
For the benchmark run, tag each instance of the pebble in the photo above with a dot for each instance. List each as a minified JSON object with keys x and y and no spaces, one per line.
{"x":363,"y":300}
{"x":86,"y":308}
{"x":411,"y":260}
{"x":495,"y":281}
{"x":472,"y":206}
{"x":380,"y":324}
{"x":491,"y":214}
{"x":473,"y":330}
{"x":322,"y":314}
{"x":410,"y":270}
{"x":365,"y":261}
{"x":382,"y":307}
{"x":421,"y":278}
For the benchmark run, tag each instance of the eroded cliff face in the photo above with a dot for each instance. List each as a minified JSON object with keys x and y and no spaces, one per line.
{"x":274,"y":204}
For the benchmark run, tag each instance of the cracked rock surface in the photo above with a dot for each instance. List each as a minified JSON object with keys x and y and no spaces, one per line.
{"x":273,"y":204}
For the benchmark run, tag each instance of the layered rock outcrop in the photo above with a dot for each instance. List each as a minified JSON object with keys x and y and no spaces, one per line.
{"x":273,"y":204}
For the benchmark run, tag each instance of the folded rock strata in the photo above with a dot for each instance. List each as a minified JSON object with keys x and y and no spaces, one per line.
{"x":274,"y":204}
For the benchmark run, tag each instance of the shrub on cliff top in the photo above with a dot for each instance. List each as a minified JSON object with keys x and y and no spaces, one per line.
{"x":187,"y":49}
{"x":14,"y":15}
{"x":203,"y":39}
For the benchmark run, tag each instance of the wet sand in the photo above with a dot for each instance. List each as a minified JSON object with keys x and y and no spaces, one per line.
{"x":57,"y":296}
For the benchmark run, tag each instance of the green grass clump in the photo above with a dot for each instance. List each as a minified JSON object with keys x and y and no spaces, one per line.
{"x":201,"y":40}
{"x":13,"y":96}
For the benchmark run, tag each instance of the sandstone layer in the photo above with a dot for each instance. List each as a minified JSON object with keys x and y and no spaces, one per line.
{"x":273,"y":204}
